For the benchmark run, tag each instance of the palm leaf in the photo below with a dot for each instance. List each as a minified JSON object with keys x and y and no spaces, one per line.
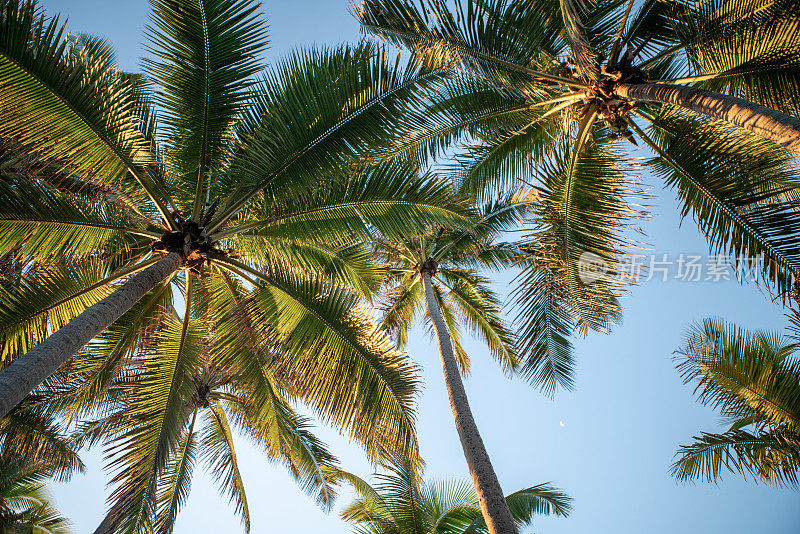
{"x":204,"y":54}
{"x":67,"y":104}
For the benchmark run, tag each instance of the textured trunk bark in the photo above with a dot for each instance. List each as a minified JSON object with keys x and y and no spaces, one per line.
{"x":105,"y":526}
{"x":28,"y":371}
{"x":768,"y":123}
{"x":490,"y":495}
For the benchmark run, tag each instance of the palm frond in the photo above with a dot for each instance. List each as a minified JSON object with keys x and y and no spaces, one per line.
{"x":204,"y":56}
{"x":743,"y":198}
{"x":150,"y":428}
{"x":747,"y":50}
{"x":545,"y":324}
{"x":769,"y":457}
{"x":66,"y":104}
{"x":510,"y":44}
{"x":315,"y":112}
{"x":742,"y":372}
{"x":218,"y":452}
{"x":335,"y":359}
{"x":174,"y":485}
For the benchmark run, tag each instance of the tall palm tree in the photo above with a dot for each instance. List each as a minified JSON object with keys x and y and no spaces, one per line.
{"x":216,"y":389}
{"x":109,"y":207}
{"x":709,"y":87}
{"x":400,"y":503}
{"x":753,"y":379}
{"x":26,"y":506}
{"x":437,"y":271}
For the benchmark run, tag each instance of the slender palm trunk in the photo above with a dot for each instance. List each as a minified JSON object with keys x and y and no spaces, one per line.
{"x":27,"y":372}
{"x":490,"y":494}
{"x":774,"y":125}
{"x":105,"y":526}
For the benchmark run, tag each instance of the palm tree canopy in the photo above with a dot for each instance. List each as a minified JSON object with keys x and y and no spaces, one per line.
{"x":401,"y":503}
{"x":464,"y":294}
{"x":253,"y":177}
{"x":753,"y":379}
{"x":544,"y":87}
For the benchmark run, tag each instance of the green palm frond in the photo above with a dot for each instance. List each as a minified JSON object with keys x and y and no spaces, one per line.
{"x":752,"y":378}
{"x":401,"y":307}
{"x":68,"y":105}
{"x":347,"y":263}
{"x":204,"y":56}
{"x":586,"y":204}
{"x":745,"y":49}
{"x":149,"y":429}
{"x":391,"y":200}
{"x":109,"y":356}
{"x":173,"y":487}
{"x":336,"y":359}
{"x":44,"y":299}
{"x":743,"y":198}
{"x":314,"y":112}
{"x":39,"y":221}
{"x":542,"y":499}
{"x":26,"y":504}
{"x":34,"y":437}
{"x":743,"y":372}
{"x":219,"y":454}
{"x":258,"y":407}
{"x":484,"y":36}
{"x":545,"y":325}
{"x":769,"y":457}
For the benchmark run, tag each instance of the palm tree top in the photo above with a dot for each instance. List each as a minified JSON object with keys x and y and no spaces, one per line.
{"x":453,"y":257}
{"x":550,"y":93}
{"x":400,"y":502}
{"x":253,"y":178}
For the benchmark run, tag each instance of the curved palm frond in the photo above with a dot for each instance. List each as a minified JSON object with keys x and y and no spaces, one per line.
{"x":753,"y":378}
{"x":743,"y":198}
{"x":68,"y":105}
{"x":205,"y":54}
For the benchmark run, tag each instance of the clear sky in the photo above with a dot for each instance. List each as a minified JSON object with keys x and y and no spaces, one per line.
{"x":609,"y":443}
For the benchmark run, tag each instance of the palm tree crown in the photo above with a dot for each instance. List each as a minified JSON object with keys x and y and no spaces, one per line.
{"x":464,"y":295}
{"x":552,"y":87}
{"x":213,"y":251}
{"x":400,"y":503}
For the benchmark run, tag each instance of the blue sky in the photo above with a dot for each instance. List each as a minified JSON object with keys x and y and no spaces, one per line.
{"x":621,"y":426}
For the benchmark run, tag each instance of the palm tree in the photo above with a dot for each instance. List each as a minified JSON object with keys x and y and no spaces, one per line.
{"x":108,"y":207}
{"x":25,"y":503}
{"x":437,"y":270}
{"x":218,"y":389}
{"x":710,"y":88}
{"x":753,"y":379}
{"x":401,"y":504}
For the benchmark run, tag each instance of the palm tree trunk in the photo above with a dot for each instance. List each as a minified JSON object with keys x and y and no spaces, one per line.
{"x":27,"y":372}
{"x":774,"y":125}
{"x":105,"y":526}
{"x":490,"y":494}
